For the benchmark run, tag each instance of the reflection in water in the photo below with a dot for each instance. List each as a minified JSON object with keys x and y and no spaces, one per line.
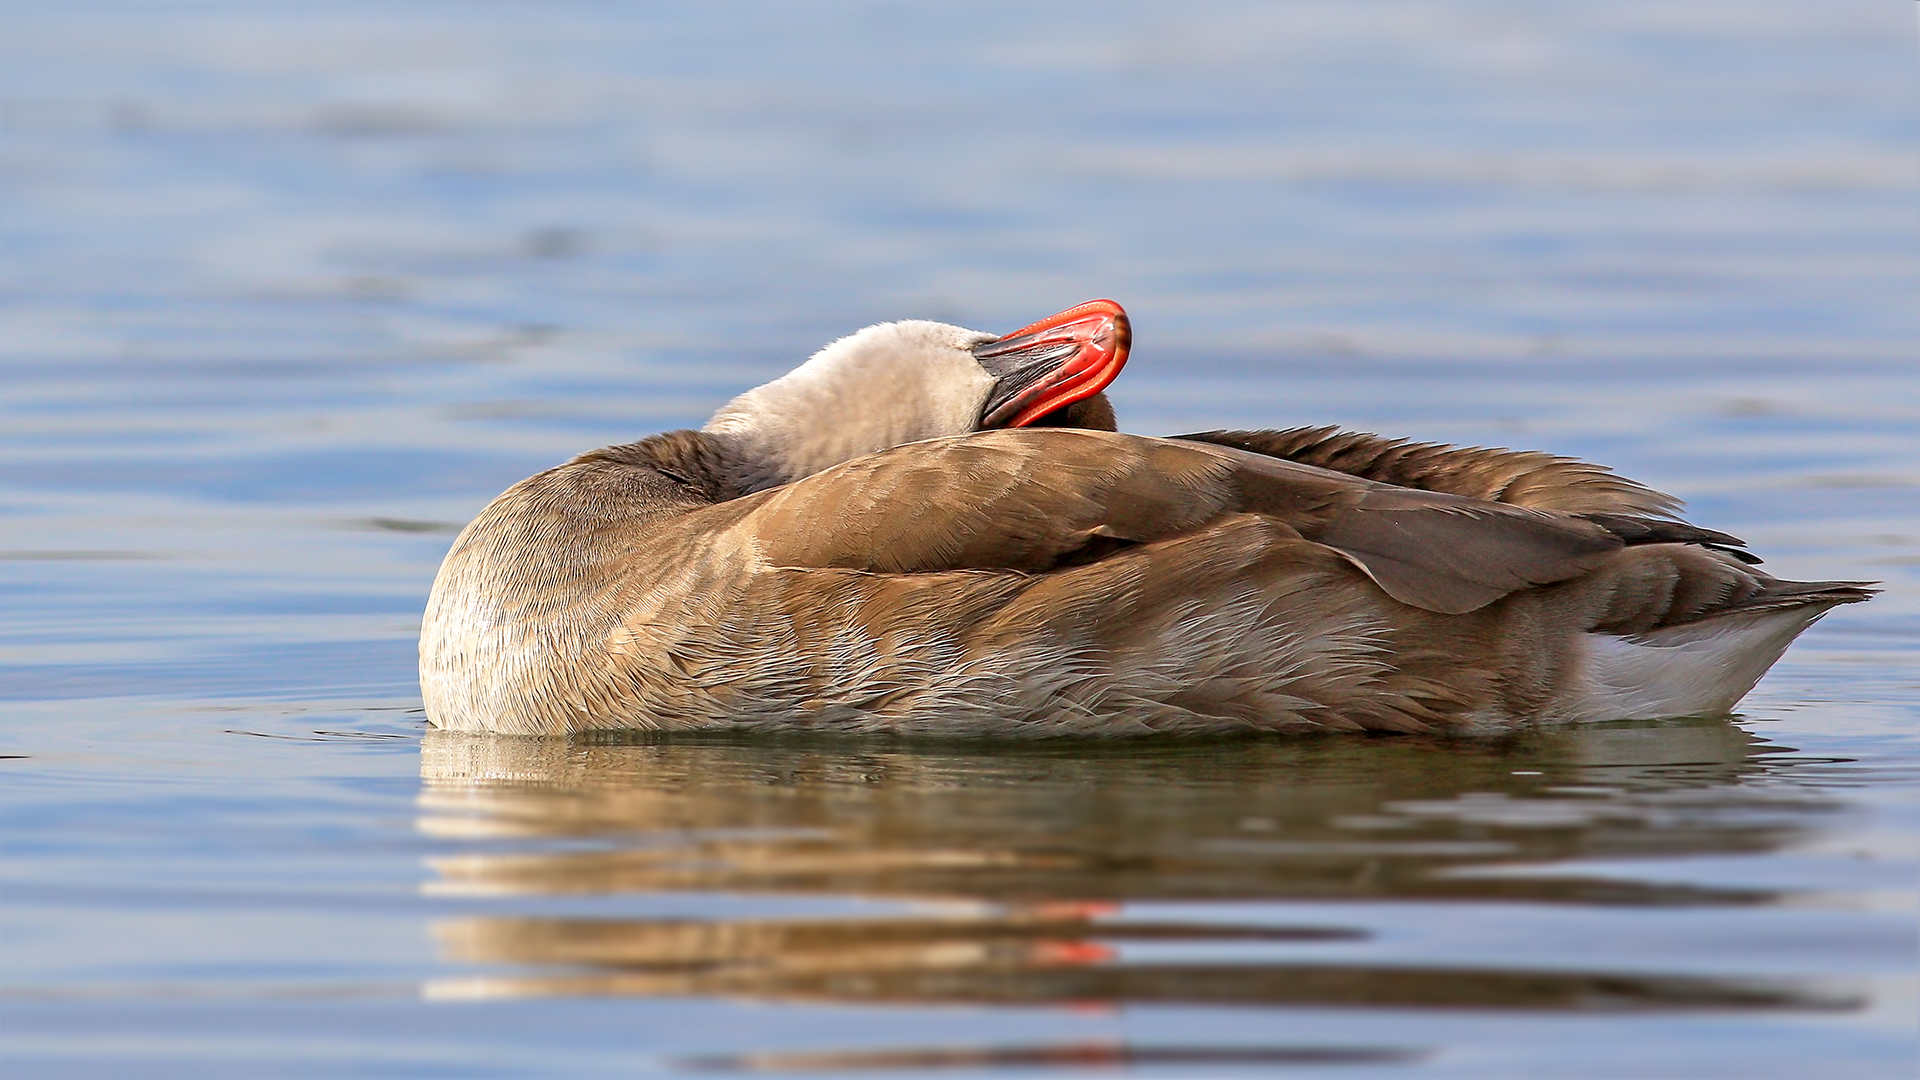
{"x":1031,"y":874}
{"x":1071,"y":1055}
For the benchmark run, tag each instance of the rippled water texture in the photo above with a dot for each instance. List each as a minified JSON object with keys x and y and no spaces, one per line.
{"x":288,"y":290}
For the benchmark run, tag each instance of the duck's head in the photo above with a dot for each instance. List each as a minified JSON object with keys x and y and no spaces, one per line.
{"x":901,"y":382}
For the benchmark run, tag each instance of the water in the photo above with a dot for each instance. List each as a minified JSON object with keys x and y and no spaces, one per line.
{"x":289,"y":290}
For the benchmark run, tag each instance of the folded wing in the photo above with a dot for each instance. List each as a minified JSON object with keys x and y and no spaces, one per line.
{"x":1029,"y":501}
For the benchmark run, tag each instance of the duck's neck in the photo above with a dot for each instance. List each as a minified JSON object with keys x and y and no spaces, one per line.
{"x":792,"y":428}
{"x":885,"y":386}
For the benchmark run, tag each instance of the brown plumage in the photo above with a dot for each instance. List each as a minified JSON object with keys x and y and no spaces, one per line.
{"x":1058,"y":579}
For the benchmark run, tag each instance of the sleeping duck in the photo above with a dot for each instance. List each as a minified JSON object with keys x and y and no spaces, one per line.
{"x":931,"y":530}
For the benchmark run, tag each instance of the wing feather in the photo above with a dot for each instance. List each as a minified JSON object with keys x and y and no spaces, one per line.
{"x":1516,"y":477}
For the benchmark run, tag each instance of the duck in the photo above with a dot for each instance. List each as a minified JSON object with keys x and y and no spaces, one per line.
{"x":930,"y":530}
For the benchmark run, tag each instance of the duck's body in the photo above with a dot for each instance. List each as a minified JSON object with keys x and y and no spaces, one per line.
{"x":1060,"y":581}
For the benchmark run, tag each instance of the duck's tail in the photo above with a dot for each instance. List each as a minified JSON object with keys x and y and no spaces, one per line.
{"x":1707,"y":663}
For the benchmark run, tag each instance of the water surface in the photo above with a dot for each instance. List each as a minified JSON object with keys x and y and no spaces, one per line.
{"x":289,"y":290}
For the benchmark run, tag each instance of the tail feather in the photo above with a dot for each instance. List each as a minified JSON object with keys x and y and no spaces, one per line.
{"x":1781,"y":595}
{"x":1655,"y":586}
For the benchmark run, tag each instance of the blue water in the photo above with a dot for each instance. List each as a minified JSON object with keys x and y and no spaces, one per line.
{"x":289,"y":290}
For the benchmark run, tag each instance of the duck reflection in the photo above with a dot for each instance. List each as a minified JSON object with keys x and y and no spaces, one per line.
{"x":1005,"y":873}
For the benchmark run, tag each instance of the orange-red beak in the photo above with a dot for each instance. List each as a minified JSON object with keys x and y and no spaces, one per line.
{"x":1053,"y":363}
